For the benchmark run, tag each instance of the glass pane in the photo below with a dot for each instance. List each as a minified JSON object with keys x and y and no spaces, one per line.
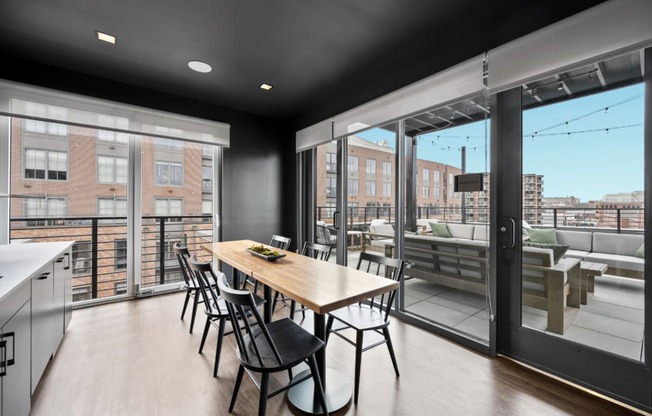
{"x":67,"y":186}
{"x":583,"y":206}
{"x":372,"y":214}
{"x":447,"y":230}
{"x":326,"y":197}
{"x":172,"y":214}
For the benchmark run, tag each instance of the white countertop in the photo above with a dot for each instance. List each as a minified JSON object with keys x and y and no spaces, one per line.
{"x":19,"y":261}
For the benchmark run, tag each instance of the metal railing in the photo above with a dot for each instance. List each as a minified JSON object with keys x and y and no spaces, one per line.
{"x":608,"y":219}
{"x":100,"y":256}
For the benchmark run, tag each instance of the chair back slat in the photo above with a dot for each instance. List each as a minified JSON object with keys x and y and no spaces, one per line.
{"x":278,"y":241}
{"x":202,"y":271}
{"x":316,"y":251}
{"x":239,"y":302}
{"x":386,"y":267}
{"x":183,"y":254}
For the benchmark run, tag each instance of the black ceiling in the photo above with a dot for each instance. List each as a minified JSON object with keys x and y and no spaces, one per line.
{"x":321,"y":56}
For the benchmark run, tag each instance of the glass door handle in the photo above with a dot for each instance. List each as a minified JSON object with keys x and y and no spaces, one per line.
{"x":509,"y":230}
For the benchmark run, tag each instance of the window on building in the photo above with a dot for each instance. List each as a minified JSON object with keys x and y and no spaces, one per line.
{"x":162,"y":143}
{"x":44,"y":207}
{"x":331,"y":162}
{"x":120,"y":248}
{"x":371,"y":188}
{"x":331,"y":186}
{"x":435,"y":174}
{"x":426,"y":191}
{"x":207,"y":208}
{"x":353,"y":186}
{"x":207,"y":178}
{"x":352,"y":163}
{"x":112,"y":169}
{"x":330,"y":209}
{"x":81,"y":293}
{"x":168,"y":173}
{"x":81,"y":257}
{"x":46,"y":164}
{"x":112,"y":207}
{"x":113,"y":123}
{"x":436,"y":191}
{"x":426,"y":175}
{"x":387,"y":189}
{"x":387,"y":168}
{"x":120,"y":288}
{"x":45,"y":111}
{"x":371,"y":166}
{"x":451,"y":185}
{"x":169,"y":207}
{"x":353,"y":209}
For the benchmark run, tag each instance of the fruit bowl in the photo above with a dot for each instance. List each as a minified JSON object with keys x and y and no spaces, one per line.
{"x":266,"y":253}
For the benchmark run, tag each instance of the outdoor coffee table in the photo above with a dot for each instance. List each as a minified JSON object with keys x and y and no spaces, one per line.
{"x":588,"y":272}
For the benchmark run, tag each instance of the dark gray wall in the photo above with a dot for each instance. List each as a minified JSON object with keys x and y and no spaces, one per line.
{"x":258,"y":170}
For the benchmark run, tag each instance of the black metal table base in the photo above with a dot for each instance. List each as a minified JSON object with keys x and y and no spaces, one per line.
{"x":339,"y":390}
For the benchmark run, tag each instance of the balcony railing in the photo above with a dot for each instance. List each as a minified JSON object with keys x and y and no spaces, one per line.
{"x":100,"y":255}
{"x":608,"y":219}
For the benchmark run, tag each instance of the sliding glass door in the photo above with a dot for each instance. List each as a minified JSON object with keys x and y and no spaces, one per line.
{"x":574,"y":223}
{"x":446,"y":240}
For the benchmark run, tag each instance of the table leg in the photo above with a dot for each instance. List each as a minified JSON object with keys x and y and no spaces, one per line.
{"x":338,"y":389}
{"x":267,"y":307}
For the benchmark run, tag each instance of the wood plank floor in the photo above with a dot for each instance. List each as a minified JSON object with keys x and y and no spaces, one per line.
{"x":137,"y":358}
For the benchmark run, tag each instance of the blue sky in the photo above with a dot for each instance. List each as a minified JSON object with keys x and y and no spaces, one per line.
{"x":587,"y":163}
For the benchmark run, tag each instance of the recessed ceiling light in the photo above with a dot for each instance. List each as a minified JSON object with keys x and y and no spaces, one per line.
{"x":105,"y":37}
{"x":200,"y":66}
{"x":266,"y":87}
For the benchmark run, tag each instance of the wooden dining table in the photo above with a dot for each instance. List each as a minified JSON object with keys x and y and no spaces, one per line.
{"x":318,"y":285}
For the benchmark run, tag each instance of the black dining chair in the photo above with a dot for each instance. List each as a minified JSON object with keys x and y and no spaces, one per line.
{"x":269,"y":348}
{"x":214,"y":306}
{"x":277,"y":241}
{"x":310,"y":249}
{"x":190,"y":283}
{"x":369,"y":316}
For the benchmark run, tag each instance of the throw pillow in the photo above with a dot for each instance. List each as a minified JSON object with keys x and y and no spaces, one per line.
{"x":640,"y":253}
{"x":543,"y":236}
{"x":439,"y":230}
{"x":558,"y":250}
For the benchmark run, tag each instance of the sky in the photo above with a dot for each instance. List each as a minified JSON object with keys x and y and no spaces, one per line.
{"x":586,"y":147}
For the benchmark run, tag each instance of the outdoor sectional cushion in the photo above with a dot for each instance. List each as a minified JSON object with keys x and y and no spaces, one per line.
{"x":440,"y":230}
{"x":543,"y":236}
{"x":618,"y":261}
{"x":481,"y":232}
{"x":558,"y":250}
{"x":579,"y":243}
{"x":640,"y":253}
{"x":613,"y":243}
{"x":464,"y":231}
{"x":385,"y":229}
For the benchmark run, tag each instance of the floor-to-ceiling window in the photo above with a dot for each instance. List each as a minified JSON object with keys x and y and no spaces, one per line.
{"x":447,"y":232}
{"x":583,"y":197}
{"x":124,"y":185}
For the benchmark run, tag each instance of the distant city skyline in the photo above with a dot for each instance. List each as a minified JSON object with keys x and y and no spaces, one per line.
{"x":581,"y":149}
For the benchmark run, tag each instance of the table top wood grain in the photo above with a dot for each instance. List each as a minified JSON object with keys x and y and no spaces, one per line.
{"x":320,"y":286}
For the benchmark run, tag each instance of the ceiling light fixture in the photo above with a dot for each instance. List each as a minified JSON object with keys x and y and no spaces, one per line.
{"x":200,"y":66}
{"x":105,"y":37}
{"x":266,"y":87}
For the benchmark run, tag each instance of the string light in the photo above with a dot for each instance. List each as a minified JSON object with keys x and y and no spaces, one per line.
{"x":605,"y":109}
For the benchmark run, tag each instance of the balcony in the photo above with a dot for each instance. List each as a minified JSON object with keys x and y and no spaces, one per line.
{"x":100,"y":255}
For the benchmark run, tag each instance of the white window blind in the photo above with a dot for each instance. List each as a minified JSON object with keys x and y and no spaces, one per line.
{"x":451,"y":84}
{"x":314,"y":135}
{"x":49,"y":106}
